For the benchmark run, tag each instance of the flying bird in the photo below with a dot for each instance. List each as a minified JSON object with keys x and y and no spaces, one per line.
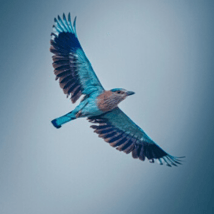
{"x":77,"y":77}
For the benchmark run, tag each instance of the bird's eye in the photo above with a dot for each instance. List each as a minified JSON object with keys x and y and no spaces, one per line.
{"x":118,"y":92}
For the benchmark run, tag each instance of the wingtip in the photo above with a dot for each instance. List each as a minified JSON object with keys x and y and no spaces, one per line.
{"x":181,"y":157}
{"x":64,"y":16}
{"x":175,"y":161}
{"x":74,"y":24}
{"x":69,"y":16}
{"x":75,"y":18}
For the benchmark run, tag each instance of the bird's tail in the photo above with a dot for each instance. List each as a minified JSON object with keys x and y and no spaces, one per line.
{"x":63,"y":119}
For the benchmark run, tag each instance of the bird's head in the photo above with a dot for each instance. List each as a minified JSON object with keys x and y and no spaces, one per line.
{"x":109,"y":100}
{"x":121,"y":93}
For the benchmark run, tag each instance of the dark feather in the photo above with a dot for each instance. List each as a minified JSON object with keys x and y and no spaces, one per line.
{"x":76,"y":94}
{"x":115,"y":138}
{"x":59,"y":63}
{"x":142,"y":155}
{"x":135,"y":152}
{"x":66,"y":84}
{"x":148,"y":152}
{"x":72,"y":87}
{"x":125,"y":145}
{"x":104,"y":131}
{"x":129,"y":148}
{"x":108,"y":135}
{"x":65,"y":79}
{"x":103,"y":127}
{"x":62,"y":73}
{"x":57,"y":58}
{"x":62,"y":68}
{"x":118,"y":142}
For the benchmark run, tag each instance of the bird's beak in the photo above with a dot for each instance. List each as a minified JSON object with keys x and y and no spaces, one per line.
{"x":128,"y":93}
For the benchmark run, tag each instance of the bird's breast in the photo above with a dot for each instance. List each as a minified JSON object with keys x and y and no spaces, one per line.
{"x":105,"y":101}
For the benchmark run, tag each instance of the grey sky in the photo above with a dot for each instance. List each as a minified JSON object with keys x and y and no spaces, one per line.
{"x":162,"y":50}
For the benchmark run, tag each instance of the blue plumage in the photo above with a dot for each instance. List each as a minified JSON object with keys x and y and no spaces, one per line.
{"x":76,"y":78}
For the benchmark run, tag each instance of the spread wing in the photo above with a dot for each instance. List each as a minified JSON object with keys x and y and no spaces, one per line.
{"x":71,"y":66}
{"x":120,"y":131}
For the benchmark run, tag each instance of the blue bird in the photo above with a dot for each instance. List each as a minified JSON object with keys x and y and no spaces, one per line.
{"x":77,"y":77}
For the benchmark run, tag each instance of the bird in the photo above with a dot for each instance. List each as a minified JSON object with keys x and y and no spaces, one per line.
{"x":78,"y":79}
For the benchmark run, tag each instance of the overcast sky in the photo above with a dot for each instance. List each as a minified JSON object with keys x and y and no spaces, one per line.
{"x":162,"y":50}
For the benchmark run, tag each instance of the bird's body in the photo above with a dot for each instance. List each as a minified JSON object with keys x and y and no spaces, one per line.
{"x":76,"y":78}
{"x":94,"y":105}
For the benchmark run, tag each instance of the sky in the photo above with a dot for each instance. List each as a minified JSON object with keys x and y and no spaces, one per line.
{"x":161,"y":50}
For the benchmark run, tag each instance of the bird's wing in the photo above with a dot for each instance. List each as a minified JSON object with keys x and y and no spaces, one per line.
{"x":120,"y":131}
{"x":71,"y":66}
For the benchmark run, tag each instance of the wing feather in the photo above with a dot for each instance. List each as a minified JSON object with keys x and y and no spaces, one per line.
{"x":121,"y":132}
{"x":71,"y":66}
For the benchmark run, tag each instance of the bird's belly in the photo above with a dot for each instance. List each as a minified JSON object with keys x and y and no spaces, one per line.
{"x":91,"y":109}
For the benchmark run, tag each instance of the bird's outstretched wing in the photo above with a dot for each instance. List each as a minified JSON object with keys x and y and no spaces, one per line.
{"x":72,"y":68}
{"x":120,"y":131}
